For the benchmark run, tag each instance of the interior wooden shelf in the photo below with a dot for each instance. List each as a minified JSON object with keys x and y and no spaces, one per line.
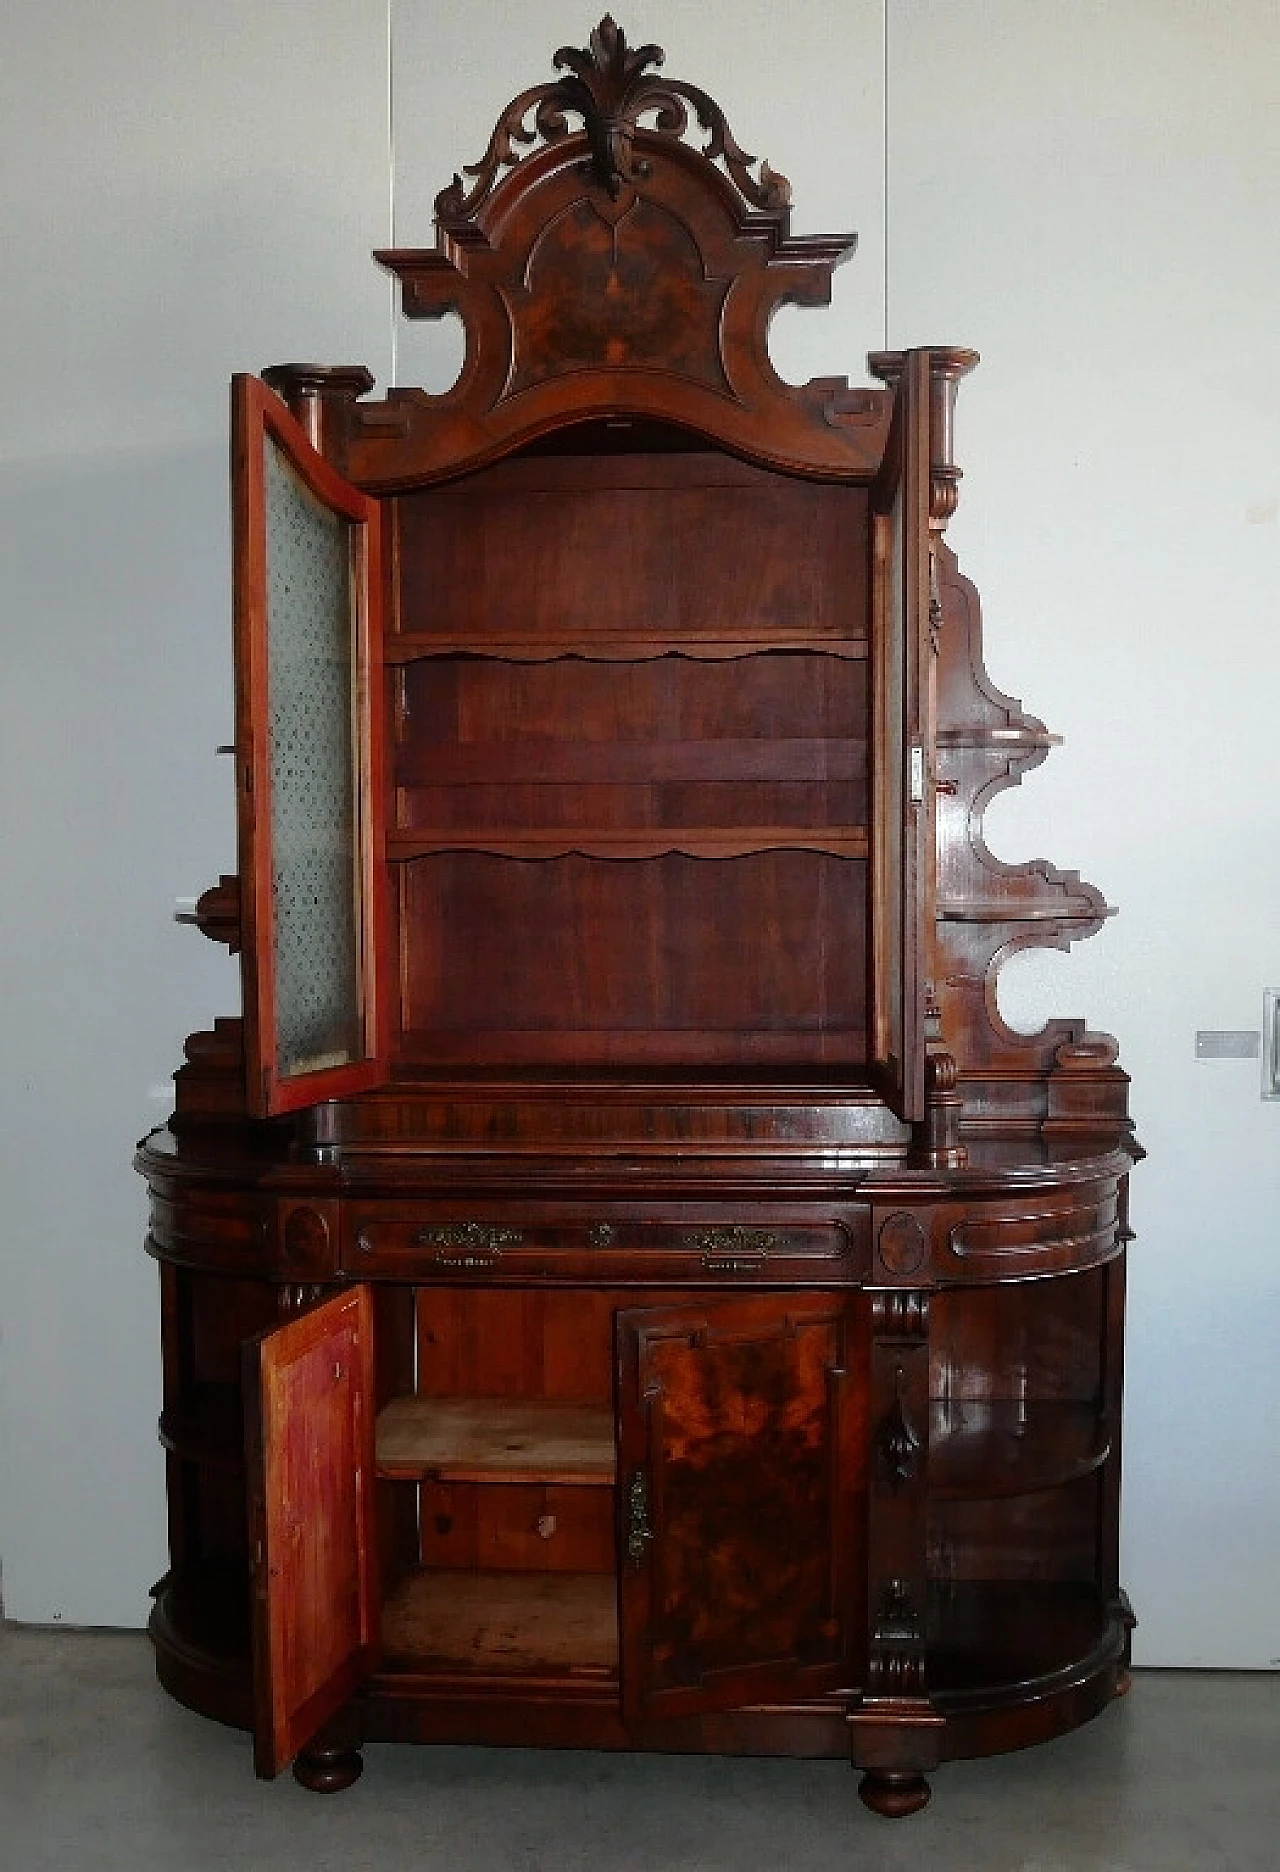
{"x":206,"y":1426}
{"x":632,"y":842}
{"x":985,"y":1634}
{"x":617,"y":647}
{"x":983,"y":1449}
{"x":496,"y":1440}
{"x":503,"y":1624}
{"x":206,"y":1609}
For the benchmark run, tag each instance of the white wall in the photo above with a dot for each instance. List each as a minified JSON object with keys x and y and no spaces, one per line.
{"x":1089,"y":194}
{"x":1084,"y":192}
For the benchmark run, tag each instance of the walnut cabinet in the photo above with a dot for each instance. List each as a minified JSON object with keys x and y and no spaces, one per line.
{"x":623,"y":1284}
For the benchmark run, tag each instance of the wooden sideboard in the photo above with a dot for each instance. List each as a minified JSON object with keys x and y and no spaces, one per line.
{"x":623,"y":1284}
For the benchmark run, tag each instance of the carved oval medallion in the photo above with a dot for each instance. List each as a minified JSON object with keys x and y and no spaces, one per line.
{"x":306,"y":1238}
{"x":902,"y":1244}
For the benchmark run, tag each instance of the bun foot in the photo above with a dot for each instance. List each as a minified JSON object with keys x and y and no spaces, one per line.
{"x":328,"y":1771}
{"x":894,"y":1796}
{"x":1124,"y":1682}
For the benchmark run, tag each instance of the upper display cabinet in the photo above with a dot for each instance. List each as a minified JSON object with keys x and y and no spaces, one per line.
{"x":585,"y":712}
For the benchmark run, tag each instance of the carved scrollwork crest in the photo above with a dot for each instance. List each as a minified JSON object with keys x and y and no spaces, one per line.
{"x":610,"y":86}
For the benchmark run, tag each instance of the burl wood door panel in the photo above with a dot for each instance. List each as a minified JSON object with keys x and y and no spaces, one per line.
{"x":740,"y":1478}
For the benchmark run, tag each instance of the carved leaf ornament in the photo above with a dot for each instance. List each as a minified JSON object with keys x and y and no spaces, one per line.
{"x":610,"y":87}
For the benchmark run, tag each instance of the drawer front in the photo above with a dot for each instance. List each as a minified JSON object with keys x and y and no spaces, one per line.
{"x":488,"y":1244}
{"x":1076,"y":1231}
{"x":223,"y":1231}
{"x":1016,"y":1237}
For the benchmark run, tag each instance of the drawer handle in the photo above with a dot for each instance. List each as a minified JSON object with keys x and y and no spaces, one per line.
{"x":731,"y":1250}
{"x":467,"y":1244}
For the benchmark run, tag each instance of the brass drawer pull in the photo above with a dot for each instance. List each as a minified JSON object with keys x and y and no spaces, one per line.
{"x":732,"y":1250}
{"x":467,"y":1244}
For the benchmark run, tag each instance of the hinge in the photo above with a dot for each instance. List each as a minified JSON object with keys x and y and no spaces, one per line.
{"x":915,"y":791}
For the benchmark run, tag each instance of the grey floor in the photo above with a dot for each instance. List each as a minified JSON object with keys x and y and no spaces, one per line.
{"x":100,"y":1770}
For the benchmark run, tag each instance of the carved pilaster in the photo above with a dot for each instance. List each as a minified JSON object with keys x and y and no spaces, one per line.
{"x":320,"y":397}
{"x":939,"y":1146}
{"x":898,"y":1441}
{"x":897,"y":1577}
{"x":895,"y":1659}
{"x":948,"y":364}
{"x":899,"y":1496}
{"x":902,"y":1313}
{"x":298,"y":1296}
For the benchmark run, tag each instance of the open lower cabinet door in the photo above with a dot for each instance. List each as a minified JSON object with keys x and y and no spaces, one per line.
{"x":740,"y":1484}
{"x":310,"y":1451}
{"x":310,"y":704}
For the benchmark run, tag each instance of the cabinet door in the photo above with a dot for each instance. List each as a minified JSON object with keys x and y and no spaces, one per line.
{"x":309,"y":743}
{"x":902,"y":867}
{"x":739,"y":1485}
{"x":310,"y":1455}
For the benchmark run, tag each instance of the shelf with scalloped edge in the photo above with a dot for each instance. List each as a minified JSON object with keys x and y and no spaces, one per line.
{"x":982,"y":1449}
{"x":614,"y":647}
{"x":629,"y":841}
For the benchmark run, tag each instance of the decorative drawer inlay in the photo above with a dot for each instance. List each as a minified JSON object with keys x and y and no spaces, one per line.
{"x":585,"y":1247}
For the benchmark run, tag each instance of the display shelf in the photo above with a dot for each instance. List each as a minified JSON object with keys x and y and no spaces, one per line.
{"x":984,"y":1635}
{"x":630,"y":842}
{"x":981,"y":1449}
{"x":203,"y":1612}
{"x":618,"y":647}
{"x":206,"y":1425}
{"x":500,"y":1624}
{"x":496,"y":1440}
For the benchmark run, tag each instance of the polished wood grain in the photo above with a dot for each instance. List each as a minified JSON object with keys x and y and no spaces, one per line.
{"x":748,"y":1298}
{"x":739,"y":1466}
{"x":500,"y":1624}
{"x":674,"y":959}
{"x":309,"y":1387}
{"x":496,"y":1440}
{"x":637,"y":548}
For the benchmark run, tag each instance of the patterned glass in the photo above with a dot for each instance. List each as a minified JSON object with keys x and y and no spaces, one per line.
{"x":313,"y":792}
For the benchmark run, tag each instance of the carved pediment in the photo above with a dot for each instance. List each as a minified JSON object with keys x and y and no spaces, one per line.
{"x":610,"y":88}
{"x":603,"y":263}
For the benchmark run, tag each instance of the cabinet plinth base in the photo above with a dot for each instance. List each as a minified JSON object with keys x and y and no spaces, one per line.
{"x":328,"y":1771}
{"x":894,"y":1796}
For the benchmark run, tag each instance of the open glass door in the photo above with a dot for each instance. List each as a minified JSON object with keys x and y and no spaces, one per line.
{"x":740,"y":1474}
{"x":309,"y":742}
{"x":309,"y":1428}
{"x":902,"y":728}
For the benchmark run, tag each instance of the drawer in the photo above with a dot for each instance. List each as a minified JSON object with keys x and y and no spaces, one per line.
{"x":1033,"y":1233}
{"x":223,"y":1231}
{"x":488,"y":1244}
{"x":1056,"y":1233}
